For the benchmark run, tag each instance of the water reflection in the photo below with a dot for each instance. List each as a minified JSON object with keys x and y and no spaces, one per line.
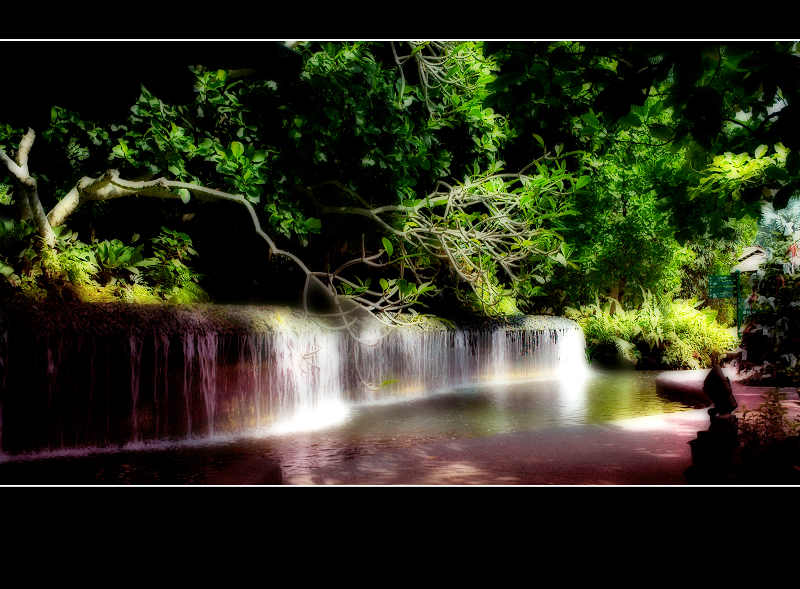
{"x":494,"y":408}
{"x":387,"y":443}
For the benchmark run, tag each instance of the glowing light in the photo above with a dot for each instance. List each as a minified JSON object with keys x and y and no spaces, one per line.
{"x":324,"y":416}
{"x":685,"y":421}
{"x":370,"y":336}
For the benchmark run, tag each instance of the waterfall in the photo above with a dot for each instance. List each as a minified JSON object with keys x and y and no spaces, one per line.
{"x":149,"y":378}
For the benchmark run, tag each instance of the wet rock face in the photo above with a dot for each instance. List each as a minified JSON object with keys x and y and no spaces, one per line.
{"x":607,"y":355}
{"x":106,"y":375}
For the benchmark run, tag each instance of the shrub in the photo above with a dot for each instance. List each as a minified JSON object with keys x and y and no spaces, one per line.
{"x":768,"y":424}
{"x":669,"y":334}
{"x":119,"y":261}
{"x":726,"y":311}
{"x":76,"y":259}
{"x":771,"y":340}
{"x":190,"y":293}
{"x":173,"y":250}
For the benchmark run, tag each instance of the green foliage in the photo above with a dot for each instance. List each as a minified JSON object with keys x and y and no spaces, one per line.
{"x":77,"y":260}
{"x":383,"y":137}
{"x":624,"y":239}
{"x":647,"y":193}
{"x":670,"y":334}
{"x":496,"y":233}
{"x":771,"y":339}
{"x":729,"y":175}
{"x":171,"y":244}
{"x":5,"y":194}
{"x":172,"y":274}
{"x":725,"y":310}
{"x":15,"y":245}
{"x":715,"y":256}
{"x":779,"y":229}
{"x":187,"y":294}
{"x":117,"y":260}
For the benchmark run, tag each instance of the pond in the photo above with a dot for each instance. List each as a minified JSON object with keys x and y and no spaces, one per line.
{"x":497,"y":408}
{"x":482,"y":410}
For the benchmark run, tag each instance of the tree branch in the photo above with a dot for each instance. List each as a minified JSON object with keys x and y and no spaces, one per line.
{"x":28,"y":189}
{"x":24,"y":150}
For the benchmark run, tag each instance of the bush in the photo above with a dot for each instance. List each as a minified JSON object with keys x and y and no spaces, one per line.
{"x":173,"y":250}
{"x":768,"y":424}
{"x":104,"y":271}
{"x":771,"y":340}
{"x":118,"y":261}
{"x":658,"y":334}
{"x":726,"y":311}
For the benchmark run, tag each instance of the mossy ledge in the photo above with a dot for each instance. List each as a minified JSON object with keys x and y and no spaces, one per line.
{"x":130,"y":318}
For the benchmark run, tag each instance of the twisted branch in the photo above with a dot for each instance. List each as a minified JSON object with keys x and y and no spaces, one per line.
{"x":30,"y":204}
{"x":472,"y":228}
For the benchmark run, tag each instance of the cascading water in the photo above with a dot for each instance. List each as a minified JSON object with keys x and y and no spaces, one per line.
{"x":151,"y":379}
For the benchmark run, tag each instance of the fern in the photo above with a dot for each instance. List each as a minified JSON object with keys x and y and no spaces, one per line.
{"x":679,"y":332}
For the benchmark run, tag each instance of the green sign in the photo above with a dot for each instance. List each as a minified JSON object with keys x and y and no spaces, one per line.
{"x":721,"y":286}
{"x":744,"y":310}
{"x":726,"y":286}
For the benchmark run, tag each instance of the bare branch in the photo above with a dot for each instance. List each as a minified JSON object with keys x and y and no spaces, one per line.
{"x":12,"y":166}
{"x":24,"y":150}
{"x":111,"y":186}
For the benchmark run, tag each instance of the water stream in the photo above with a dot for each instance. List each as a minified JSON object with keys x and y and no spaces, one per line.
{"x":83,"y":388}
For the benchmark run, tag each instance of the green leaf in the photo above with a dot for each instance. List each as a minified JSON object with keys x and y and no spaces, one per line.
{"x":313,"y":224}
{"x":760,"y":151}
{"x":185,"y":195}
{"x":662,"y":132}
{"x":387,"y":245}
{"x":237,"y":149}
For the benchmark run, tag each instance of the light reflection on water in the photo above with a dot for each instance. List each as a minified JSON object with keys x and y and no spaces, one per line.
{"x":474,"y":411}
{"x":480,"y":409}
{"x":504,"y":407}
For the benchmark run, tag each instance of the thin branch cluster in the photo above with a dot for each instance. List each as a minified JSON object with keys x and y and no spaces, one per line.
{"x":490,"y":224}
{"x":440,"y":65}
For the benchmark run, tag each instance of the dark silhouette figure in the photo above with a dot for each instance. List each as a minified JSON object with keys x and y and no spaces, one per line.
{"x":718,"y":388}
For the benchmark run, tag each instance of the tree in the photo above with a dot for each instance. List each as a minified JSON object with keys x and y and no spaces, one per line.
{"x":492,"y":230}
{"x":432,"y":144}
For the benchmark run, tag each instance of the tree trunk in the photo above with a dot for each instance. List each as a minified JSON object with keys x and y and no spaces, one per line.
{"x":40,"y":218}
{"x":29,"y":204}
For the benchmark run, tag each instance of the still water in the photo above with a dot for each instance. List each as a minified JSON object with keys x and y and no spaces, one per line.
{"x":472,"y":412}
{"x":487,"y":409}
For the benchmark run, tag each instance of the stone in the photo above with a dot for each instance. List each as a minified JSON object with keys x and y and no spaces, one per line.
{"x":718,"y":388}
